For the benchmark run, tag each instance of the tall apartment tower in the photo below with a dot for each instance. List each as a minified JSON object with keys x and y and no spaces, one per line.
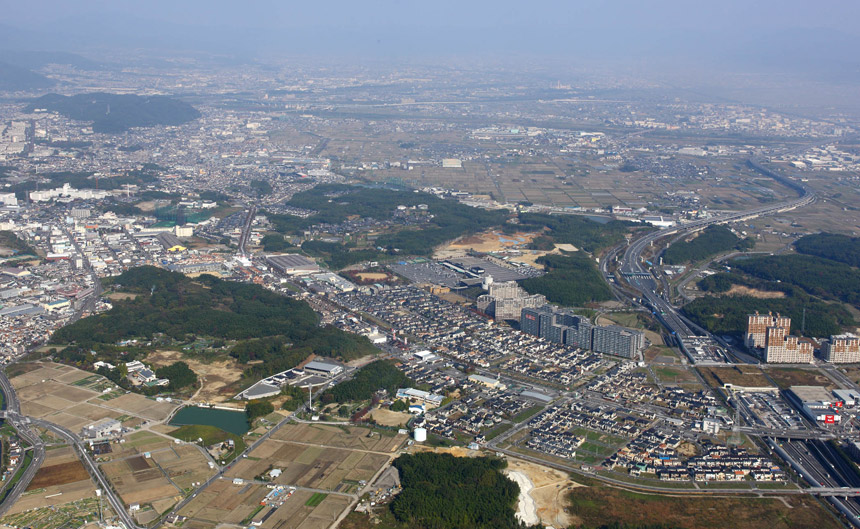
{"x":842,"y":349}
{"x":783,"y":348}
{"x":616,"y":340}
{"x":505,"y":301}
{"x":757,"y":326}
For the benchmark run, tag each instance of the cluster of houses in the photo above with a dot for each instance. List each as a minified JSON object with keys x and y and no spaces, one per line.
{"x":622,"y":384}
{"x":657,"y":452}
{"x":140,"y":375}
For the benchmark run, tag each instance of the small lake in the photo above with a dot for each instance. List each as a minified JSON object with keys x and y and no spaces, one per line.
{"x":230,"y":421}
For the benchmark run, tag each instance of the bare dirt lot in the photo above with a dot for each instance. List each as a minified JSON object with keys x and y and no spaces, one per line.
{"x":550,"y":491}
{"x":740,"y":290}
{"x":61,"y":479}
{"x":490,"y":241}
{"x":745,"y":376}
{"x":390,"y":418}
{"x":215,"y":376}
{"x":59,"y":474}
{"x":371,"y":276}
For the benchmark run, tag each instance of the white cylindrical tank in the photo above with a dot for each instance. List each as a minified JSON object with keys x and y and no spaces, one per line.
{"x":420,"y":434}
{"x":487,"y":281}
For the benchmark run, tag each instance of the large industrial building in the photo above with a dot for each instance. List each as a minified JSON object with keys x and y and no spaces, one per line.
{"x":816,"y":403}
{"x":563,"y":327}
{"x":292,"y":264}
{"x":320,"y":368}
{"x":842,"y":349}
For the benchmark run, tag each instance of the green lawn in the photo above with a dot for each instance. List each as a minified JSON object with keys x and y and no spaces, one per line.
{"x":527,"y":414}
{"x":316,"y":499}
{"x":498,"y":430}
{"x":211,"y":435}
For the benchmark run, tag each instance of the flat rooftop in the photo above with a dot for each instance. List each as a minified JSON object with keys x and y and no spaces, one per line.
{"x":289,"y":261}
{"x":812,"y":393}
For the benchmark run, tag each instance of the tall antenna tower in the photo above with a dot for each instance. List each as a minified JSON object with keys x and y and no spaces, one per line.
{"x":735,"y":439}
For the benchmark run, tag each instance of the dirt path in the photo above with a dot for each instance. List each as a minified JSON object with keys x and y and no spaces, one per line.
{"x":215,"y":376}
{"x":549,"y":492}
{"x":526,"y":505}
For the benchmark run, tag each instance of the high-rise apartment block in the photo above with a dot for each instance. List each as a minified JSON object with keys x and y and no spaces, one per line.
{"x":757,"y":325}
{"x":560,"y":326}
{"x":842,"y":349}
{"x":783,"y":348}
{"x":617,"y":340}
{"x":505,"y":301}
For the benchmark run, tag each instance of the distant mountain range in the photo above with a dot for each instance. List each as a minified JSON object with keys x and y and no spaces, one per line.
{"x":14,"y":78}
{"x":39,"y":59}
{"x":117,"y":113}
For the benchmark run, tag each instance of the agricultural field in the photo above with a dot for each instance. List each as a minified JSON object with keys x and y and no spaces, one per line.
{"x":157,"y":482}
{"x":60,"y":480}
{"x":596,"y":506}
{"x":349,"y":437}
{"x":745,"y":376}
{"x":785,"y":377}
{"x":226,"y":503}
{"x":305,"y":465}
{"x":322,"y":457}
{"x":74,"y":398}
{"x":135,"y":444}
{"x":561,"y":182}
{"x":76,"y":513}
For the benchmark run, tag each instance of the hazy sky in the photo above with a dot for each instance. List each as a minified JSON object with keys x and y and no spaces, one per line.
{"x":802,"y":35}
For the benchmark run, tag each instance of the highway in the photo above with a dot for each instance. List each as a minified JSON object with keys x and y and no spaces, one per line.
{"x":246,"y":230}
{"x":824,"y":469}
{"x":640,"y":278}
{"x":22,"y":425}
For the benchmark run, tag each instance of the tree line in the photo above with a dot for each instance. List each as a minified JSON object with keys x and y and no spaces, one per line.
{"x":712,"y":240}
{"x":441,"y":491}
{"x":571,"y":279}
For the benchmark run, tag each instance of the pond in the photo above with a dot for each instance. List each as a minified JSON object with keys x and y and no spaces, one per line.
{"x":230,"y":421}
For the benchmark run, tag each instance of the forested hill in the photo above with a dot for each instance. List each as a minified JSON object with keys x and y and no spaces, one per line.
{"x":831,"y":246}
{"x":172,"y":305}
{"x":443,"y":491}
{"x":443,"y":220}
{"x":118,"y":112}
{"x":14,"y":78}
{"x":711,"y":241}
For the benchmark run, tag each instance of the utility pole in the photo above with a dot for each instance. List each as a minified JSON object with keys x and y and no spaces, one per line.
{"x":101,"y":510}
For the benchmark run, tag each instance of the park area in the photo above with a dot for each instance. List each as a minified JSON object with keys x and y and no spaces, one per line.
{"x":73,"y":398}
